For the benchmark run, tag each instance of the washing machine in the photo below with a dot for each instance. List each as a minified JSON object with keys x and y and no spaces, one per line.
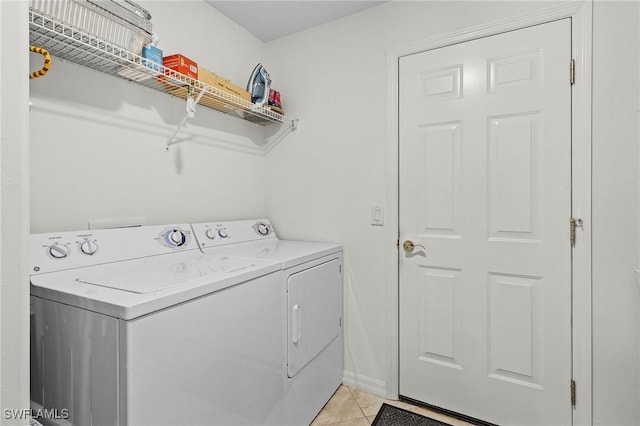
{"x":312,"y":288}
{"x":136,"y":326}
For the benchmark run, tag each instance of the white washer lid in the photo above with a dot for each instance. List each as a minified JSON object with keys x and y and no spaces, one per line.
{"x":143,"y":276}
{"x":153,"y":274}
{"x":127,"y":289}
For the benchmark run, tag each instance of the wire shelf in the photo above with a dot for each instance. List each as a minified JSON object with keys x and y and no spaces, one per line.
{"x":66,"y":42}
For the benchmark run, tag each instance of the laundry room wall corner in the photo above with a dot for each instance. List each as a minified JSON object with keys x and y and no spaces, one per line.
{"x":616,"y":208}
{"x":14,"y":213}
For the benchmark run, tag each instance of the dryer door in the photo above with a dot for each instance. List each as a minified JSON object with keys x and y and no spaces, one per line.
{"x":315,"y":312}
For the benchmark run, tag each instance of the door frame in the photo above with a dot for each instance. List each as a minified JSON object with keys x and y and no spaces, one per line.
{"x":580,"y":13}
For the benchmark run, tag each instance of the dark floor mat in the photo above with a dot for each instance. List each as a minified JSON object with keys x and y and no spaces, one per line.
{"x":394,"y":416}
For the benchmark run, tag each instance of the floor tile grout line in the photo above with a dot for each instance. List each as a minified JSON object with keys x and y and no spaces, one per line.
{"x":352,"y":394}
{"x":357,"y":403}
{"x":354,"y":399}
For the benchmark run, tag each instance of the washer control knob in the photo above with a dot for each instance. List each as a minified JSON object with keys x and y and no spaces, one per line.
{"x":222,"y":233}
{"x":176,"y":237}
{"x":88,"y":247}
{"x":58,"y":251}
{"x":210,"y":234}
{"x":262,"y":229}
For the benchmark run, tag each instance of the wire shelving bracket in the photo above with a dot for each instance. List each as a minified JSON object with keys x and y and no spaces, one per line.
{"x":66,"y":42}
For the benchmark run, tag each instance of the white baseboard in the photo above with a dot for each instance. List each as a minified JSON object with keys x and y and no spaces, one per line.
{"x":365,"y":384}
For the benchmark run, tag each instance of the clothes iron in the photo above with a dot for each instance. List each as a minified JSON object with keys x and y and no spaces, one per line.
{"x":259,"y":85}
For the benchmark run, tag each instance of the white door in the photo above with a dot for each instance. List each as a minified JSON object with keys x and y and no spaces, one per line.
{"x":485,"y":196}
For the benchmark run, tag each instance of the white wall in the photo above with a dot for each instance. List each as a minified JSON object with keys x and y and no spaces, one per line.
{"x":97,"y":150}
{"x":323,"y":180}
{"x":14,"y":212}
{"x":98,"y":142}
{"x":616,"y":296}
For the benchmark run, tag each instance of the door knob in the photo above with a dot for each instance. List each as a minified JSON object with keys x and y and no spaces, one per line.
{"x":409,"y":245}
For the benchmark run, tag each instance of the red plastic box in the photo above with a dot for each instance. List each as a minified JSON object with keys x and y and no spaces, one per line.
{"x":181,"y":64}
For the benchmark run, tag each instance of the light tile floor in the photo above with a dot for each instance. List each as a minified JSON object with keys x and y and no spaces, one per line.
{"x":351,"y":407}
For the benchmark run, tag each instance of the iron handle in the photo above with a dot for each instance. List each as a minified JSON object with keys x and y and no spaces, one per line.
{"x":409,"y":245}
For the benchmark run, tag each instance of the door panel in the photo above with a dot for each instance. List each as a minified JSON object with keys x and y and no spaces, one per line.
{"x":485,"y":194}
{"x":314,"y":314}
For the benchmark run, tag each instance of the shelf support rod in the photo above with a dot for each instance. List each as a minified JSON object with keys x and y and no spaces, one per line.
{"x":191,"y":111}
{"x":275,"y":139}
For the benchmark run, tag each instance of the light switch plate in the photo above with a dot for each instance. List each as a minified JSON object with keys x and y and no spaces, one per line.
{"x":377,"y":215}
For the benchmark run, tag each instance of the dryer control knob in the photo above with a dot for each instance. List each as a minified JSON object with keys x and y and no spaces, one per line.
{"x":262,"y":229}
{"x":176,"y":237}
{"x":58,"y":251}
{"x":222,"y":233}
{"x":88,"y":247}
{"x":210,"y":234}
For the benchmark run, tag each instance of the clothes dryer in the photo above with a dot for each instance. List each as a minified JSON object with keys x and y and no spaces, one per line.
{"x":312,"y":288}
{"x":137,"y":326}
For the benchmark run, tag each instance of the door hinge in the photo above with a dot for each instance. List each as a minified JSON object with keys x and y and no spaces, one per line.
{"x":572,"y":72}
{"x":573,"y":224}
{"x":572,"y":231}
{"x":573,"y":393}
